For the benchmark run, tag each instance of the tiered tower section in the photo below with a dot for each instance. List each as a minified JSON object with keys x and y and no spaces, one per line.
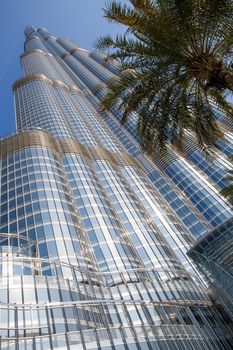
{"x":92,"y":255}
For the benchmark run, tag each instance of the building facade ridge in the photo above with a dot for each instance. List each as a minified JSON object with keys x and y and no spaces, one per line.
{"x":25,"y":139}
{"x":35,"y":51}
{"x":35,"y":77}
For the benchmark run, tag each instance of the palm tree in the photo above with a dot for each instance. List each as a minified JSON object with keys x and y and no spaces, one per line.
{"x":175,"y":57}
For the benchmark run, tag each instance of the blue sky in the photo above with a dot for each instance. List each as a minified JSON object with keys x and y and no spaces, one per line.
{"x":79,"y":20}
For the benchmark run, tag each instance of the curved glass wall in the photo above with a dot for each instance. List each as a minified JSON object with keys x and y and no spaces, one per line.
{"x":214,"y":256}
{"x":84,"y":256}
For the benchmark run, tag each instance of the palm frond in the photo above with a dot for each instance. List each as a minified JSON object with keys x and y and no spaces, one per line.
{"x":178,"y":55}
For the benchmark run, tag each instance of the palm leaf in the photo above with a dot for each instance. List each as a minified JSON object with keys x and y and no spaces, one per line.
{"x":178,"y":55}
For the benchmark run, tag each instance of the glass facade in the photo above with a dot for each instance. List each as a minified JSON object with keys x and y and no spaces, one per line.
{"x":213,"y":253}
{"x":94,"y":234}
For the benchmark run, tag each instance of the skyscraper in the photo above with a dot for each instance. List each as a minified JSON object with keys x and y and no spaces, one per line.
{"x":92,"y":255}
